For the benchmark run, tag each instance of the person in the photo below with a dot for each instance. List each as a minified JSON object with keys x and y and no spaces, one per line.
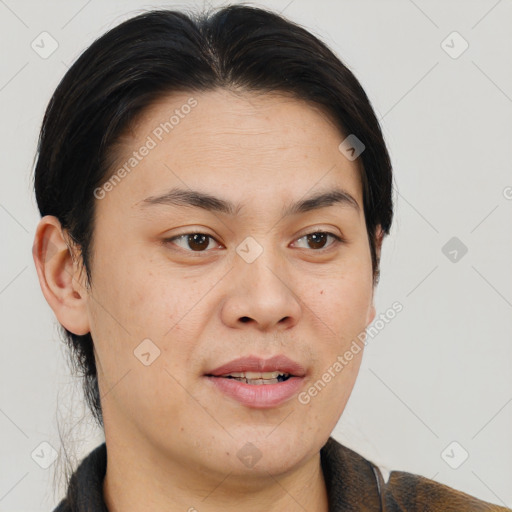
{"x":214,"y":192}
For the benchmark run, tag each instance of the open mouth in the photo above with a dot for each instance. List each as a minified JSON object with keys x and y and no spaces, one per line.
{"x":256,"y":389}
{"x":256,"y":378}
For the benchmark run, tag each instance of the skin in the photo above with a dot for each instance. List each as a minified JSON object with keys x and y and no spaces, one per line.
{"x":172,"y":439}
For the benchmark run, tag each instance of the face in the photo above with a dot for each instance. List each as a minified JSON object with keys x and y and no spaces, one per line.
{"x":182,"y":285}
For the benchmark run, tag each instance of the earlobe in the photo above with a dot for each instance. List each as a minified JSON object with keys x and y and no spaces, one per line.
{"x":59,"y":276}
{"x":371,"y":315}
{"x":379,"y":236}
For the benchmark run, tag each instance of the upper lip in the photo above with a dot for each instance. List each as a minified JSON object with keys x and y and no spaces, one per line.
{"x":256,"y":364}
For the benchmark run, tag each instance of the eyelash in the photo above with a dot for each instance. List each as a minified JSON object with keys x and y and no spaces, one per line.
{"x":337,"y":238}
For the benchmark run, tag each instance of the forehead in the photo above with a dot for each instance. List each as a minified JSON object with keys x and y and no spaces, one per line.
{"x":249,"y":144}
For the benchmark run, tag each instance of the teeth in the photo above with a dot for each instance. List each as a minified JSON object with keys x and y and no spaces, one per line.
{"x":257,"y":382}
{"x":256,"y":375}
{"x":262,"y":381}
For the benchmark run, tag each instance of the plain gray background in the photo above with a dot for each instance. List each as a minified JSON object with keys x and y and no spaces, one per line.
{"x":441,"y":371}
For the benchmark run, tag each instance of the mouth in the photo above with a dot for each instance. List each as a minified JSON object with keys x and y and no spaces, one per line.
{"x":256,"y":393}
{"x":255,"y":368}
{"x":258,"y":383}
{"x":257,"y":378}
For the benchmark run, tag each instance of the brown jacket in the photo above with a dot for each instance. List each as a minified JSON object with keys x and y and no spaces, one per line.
{"x":353,"y":484}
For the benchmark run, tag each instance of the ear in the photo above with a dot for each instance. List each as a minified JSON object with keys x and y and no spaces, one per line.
{"x":371,"y":314}
{"x":379,"y":236}
{"x":59,"y":276}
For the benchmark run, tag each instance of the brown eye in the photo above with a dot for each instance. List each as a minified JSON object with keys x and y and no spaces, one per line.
{"x":193,"y":242}
{"x":318,"y":240}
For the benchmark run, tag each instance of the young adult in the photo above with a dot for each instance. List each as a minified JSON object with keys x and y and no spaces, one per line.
{"x":214,"y":193}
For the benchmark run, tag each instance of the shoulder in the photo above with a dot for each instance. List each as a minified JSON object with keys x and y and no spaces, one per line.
{"x":85,"y":488}
{"x":356,"y":483}
{"x":63,"y":506}
{"x":407,"y":491}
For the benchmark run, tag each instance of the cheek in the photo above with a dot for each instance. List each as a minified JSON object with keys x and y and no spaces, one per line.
{"x":344,"y":313}
{"x":138,"y":296}
{"x":148,"y":313}
{"x":340,"y":307}
{"x":341,"y":301}
{"x":323,"y":400}
{"x":139,"y":315}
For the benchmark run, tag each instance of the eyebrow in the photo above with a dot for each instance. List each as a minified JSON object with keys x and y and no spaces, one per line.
{"x":197,"y":199}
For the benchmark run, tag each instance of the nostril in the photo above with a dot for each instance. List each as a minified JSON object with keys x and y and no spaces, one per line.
{"x":245,"y":319}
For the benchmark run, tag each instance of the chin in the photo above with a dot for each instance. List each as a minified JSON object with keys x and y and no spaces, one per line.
{"x":269,"y":448}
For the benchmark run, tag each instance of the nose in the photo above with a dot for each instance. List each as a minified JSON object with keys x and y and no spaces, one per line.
{"x":261,"y":295}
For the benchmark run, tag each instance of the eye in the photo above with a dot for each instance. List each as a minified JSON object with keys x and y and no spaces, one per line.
{"x":318,"y":239}
{"x":196,"y":242}
{"x":200,"y":242}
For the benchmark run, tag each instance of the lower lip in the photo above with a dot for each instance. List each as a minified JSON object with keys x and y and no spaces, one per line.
{"x":259,"y":396}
